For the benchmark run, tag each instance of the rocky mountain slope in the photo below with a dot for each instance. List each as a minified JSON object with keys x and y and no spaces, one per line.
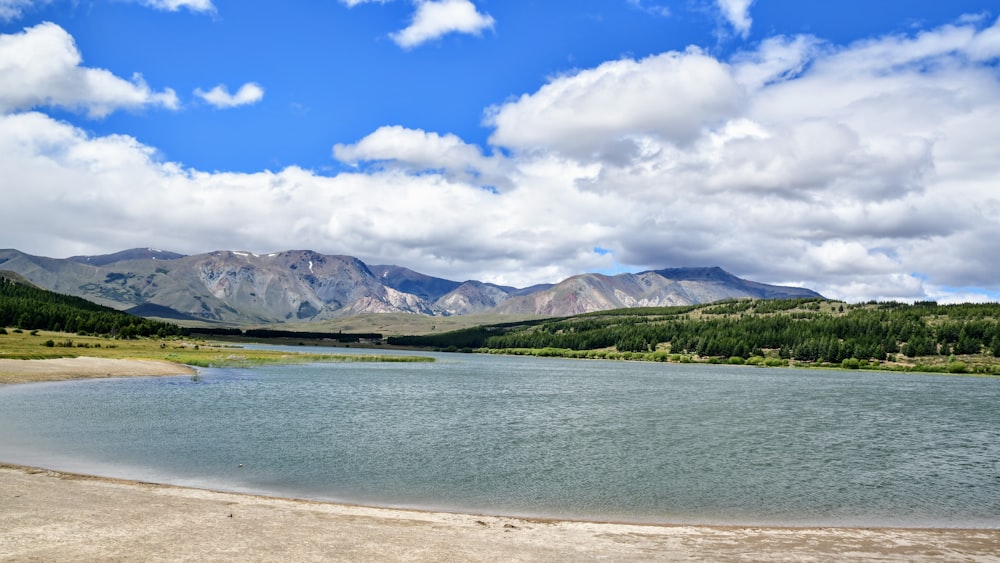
{"x":303,"y":286}
{"x":658,"y":288}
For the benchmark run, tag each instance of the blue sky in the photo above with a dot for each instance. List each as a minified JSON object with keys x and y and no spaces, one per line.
{"x":851,"y":147}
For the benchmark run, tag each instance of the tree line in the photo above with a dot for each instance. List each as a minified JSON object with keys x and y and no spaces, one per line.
{"x":807,"y":330}
{"x":265,"y":333}
{"x":30,"y":308}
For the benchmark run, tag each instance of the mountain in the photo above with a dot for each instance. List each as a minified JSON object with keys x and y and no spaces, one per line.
{"x":131,"y":254}
{"x":657,"y":288}
{"x":406,"y":280}
{"x":304,"y":286}
{"x":28,"y":307}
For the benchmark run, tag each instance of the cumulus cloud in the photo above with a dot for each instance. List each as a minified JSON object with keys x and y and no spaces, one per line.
{"x":249,"y":93}
{"x":669,"y":97}
{"x":41,"y":67}
{"x":435,"y":18}
{"x":417,"y":151}
{"x":737,"y":13}
{"x":448,"y":227}
{"x":862,"y":171}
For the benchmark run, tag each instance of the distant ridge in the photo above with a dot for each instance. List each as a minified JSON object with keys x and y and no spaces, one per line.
{"x":152,"y":310}
{"x":130,"y":254}
{"x":7,"y":275}
{"x":303,"y":286}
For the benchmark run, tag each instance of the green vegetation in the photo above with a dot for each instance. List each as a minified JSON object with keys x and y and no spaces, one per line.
{"x":404,"y":323}
{"x":923,"y":336}
{"x":44,"y":344}
{"x":44,"y":325}
{"x":30,"y":308}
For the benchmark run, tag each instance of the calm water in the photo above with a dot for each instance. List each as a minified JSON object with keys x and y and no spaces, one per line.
{"x":543,"y":437}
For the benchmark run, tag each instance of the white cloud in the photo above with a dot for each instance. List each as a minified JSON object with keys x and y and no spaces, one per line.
{"x":416,"y":151}
{"x":13,"y":9}
{"x":862,"y":171}
{"x":114,"y":190}
{"x":40,"y":67}
{"x":672,"y":97}
{"x":249,"y":93}
{"x":434,"y":18}
{"x":175,"y":5}
{"x":737,"y":13}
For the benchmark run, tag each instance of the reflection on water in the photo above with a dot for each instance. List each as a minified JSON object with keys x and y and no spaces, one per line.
{"x":544,"y":437}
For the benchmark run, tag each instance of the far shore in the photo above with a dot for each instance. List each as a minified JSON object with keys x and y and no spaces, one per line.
{"x":56,"y":516}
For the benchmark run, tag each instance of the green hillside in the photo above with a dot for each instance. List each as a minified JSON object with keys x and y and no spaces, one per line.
{"x":27,"y":307}
{"x":923,"y":336}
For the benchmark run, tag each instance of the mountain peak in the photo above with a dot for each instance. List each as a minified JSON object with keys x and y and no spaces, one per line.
{"x":130,"y":254}
{"x":696,"y":273}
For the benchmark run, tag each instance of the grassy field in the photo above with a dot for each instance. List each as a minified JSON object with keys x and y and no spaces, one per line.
{"x":397,"y":324}
{"x":34,"y":345}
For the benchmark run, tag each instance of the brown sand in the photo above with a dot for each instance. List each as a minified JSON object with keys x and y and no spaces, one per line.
{"x":58,"y":369}
{"x":53,"y":516}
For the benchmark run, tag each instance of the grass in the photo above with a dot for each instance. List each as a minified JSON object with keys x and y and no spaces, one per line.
{"x":398,"y":324}
{"x":35,"y":345}
{"x":963,"y":365}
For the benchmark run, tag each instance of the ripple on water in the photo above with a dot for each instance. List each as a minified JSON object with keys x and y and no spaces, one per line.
{"x":544,"y":437}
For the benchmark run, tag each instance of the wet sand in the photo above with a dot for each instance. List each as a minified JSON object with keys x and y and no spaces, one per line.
{"x":54,"y":516}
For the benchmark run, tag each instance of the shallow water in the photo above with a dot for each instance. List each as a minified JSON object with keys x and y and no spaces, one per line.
{"x":578,"y":439}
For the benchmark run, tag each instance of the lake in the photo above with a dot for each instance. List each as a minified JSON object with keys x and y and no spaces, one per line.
{"x":547,"y":437}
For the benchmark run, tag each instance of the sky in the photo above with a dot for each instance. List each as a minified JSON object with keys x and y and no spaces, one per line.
{"x":850,"y":147}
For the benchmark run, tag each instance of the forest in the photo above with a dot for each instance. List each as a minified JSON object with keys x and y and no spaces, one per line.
{"x":813,"y":331}
{"x":29,"y":308}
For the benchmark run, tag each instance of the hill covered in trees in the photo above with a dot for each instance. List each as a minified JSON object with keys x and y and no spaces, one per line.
{"x":27,"y":307}
{"x":922,"y":335}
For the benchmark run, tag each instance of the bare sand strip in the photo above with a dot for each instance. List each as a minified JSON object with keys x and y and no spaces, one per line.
{"x":59,"y":369}
{"x":53,"y":516}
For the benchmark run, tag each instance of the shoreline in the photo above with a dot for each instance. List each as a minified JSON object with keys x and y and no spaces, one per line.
{"x":59,"y":515}
{"x":85,"y":367}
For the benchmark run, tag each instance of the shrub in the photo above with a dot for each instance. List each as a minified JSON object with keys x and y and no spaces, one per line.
{"x":850,"y":363}
{"x":737,"y":361}
{"x":49,"y":343}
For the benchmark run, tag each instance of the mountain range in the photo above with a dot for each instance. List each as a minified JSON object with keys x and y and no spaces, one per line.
{"x":243,"y":288}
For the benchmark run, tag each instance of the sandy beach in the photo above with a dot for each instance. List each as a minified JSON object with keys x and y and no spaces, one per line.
{"x":55,"y":516}
{"x":60,"y":369}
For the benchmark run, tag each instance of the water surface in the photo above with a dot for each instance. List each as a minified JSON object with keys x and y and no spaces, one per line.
{"x":603,"y":440}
